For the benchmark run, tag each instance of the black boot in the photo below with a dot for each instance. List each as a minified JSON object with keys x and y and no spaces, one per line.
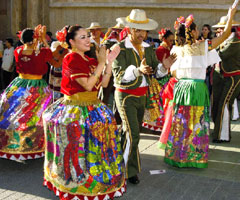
{"x":134,"y":180}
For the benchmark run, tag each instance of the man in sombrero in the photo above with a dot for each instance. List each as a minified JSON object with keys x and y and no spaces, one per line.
{"x":131,"y":69}
{"x":96,"y":38}
{"x":226,"y":82}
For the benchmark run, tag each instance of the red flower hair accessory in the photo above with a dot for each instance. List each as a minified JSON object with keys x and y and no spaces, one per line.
{"x":163,"y":31}
{"x":189,"y":21}
{"x":19,"y":34}
{"x":179,"y":21}
{"x":61,"y":35}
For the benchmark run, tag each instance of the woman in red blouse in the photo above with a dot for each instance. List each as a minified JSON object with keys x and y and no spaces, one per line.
{"x":166,"y":45}
{"x":24,"y":100}
{"x":83,"y":152}
{"x":167,"y":90}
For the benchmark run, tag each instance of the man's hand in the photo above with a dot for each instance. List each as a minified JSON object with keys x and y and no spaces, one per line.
{"x":167,"y":62}
{"x":144,"y":68}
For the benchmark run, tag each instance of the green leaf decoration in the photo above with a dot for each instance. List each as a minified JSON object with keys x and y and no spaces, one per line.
{"x":29,"y":141}
{"x":16,"y":136}
{"x":74,"y":190}
{"x":13,"y":146}
{"x":93,"y":185}
{"x":192,"y":147}
{"x":191,"y":155}
{"x":199,"y":156}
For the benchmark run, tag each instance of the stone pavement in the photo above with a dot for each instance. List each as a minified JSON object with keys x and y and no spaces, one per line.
{"x":219,"y":182}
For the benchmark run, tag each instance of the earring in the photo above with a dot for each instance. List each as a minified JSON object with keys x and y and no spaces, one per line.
{"x":74,"y":49}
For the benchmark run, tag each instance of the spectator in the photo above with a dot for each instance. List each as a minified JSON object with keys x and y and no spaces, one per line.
{"x":206,"y":32}
{"x":7,"y":63}
{"x":19,"y":43}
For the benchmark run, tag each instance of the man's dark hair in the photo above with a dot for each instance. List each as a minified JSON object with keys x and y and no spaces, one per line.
{"x":10,"y":40}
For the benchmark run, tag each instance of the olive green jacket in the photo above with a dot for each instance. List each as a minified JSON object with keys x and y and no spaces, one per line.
{"x":127,"y":57}
{"x":230,"y":55}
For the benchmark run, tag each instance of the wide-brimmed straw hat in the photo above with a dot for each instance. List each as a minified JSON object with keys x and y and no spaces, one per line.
{"x":95,"y":25}
{"x":223,"y":21}
{"x":118,"y":26}
{"x":138,"y":19}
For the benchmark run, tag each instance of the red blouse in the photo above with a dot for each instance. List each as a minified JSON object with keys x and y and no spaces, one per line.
{"x":35,"y":64}
{"x":161,"y":51}
{"x":73,"y":67}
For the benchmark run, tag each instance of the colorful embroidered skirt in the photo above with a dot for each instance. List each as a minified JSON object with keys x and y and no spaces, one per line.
{"x":188,"y":140}
{"x":154,"y":113}
{"x":83,"y":157}
{"x":167,"y":98}
{"x":21,"y":127}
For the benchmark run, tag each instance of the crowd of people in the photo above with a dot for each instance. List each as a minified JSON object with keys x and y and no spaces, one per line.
{"x":81,"y":100}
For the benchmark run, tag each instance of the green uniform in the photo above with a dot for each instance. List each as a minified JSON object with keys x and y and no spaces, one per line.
{"x":131,"y":107}
{"x":226,"y":88}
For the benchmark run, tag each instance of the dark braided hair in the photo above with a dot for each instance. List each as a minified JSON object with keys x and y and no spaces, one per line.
{"x":188,"y":33}
{"x":180,"y":37}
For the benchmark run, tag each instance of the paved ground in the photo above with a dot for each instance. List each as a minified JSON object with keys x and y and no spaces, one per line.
{"x":219,"y":182}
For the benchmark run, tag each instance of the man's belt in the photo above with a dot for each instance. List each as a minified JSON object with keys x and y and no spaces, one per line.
{"x":229,"y":74}
{"x":141,"y":91}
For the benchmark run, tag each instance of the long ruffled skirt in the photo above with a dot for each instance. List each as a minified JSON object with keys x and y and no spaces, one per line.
{"x":83,"y":157}
{"x":154,"y":112}
{"x":21,"y":127}
{"x":167,"y":98}
{"x":188,"y":140}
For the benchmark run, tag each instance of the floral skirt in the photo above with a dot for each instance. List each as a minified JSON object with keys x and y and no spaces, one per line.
{"x":188,"y":141}
{"x":83,"y":157}
{"x":154,"y":112}
{"x":21,"y":127}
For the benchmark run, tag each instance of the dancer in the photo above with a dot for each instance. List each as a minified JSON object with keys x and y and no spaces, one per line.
{"x":83,"y":152}
{"x":158,"y":86}
{"x":25,"y":99}
{"x":131,"y":69}
{"x":188,"y":140}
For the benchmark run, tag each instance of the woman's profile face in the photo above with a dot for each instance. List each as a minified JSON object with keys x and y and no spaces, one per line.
{"x":170,"y":40}
{"x":81,"y":40}
{"x":195,"y":33}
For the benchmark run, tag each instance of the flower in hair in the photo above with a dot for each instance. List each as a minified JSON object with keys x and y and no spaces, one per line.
{"x":61,"y":35}
{"x":37,"y":31}
{"x":189,"y":21}
{"x":19,"y":34}
{"x":179,"y":21}
{"x":162,"y":32}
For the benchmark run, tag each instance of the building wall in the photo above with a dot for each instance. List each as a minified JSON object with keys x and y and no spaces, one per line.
{"x":57,"y":13}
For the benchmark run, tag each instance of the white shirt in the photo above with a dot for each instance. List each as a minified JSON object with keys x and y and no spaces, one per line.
{"x":131,"y":72}
{"x":7,"y":61}
{"x":193,"y":60}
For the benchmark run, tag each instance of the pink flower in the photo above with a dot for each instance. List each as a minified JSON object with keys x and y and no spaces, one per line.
{"x":189,"y":21}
